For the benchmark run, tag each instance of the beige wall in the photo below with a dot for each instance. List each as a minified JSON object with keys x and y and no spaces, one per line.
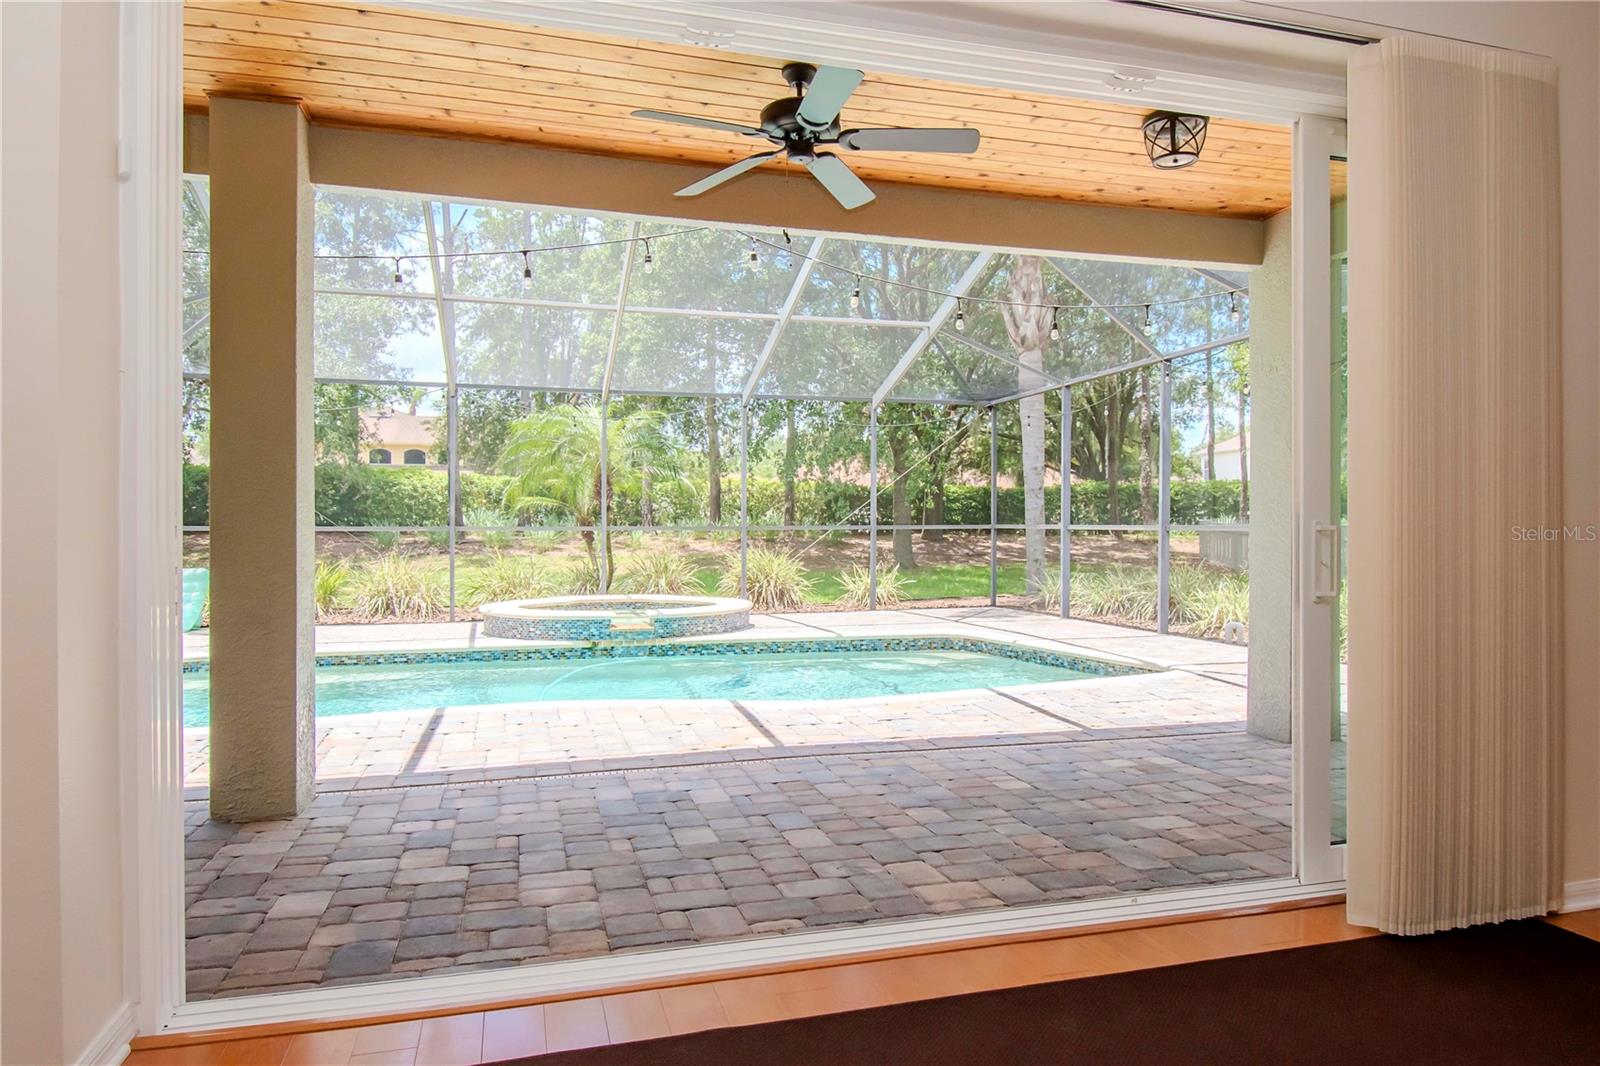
{"x":487,"y":170}
{"x":1270,"y":443}
{"x":1570,"y":34}
{"x":61,"y":863}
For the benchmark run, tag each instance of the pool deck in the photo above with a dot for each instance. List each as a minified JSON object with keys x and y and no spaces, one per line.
{"x":460,"y":838}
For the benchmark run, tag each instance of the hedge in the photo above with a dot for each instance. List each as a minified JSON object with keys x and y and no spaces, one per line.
{"x":360,"y":495}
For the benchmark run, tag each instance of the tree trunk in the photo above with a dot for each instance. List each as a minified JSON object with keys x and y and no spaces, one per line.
{"x":935,"y":511}
{"x":900,"y":499}
{"x":1211,"y":421}
{"x":1147,"y":506}
{"x":790,"y":445}
{"x":1028,"y":314}
{"x":1244,"y":464}
{"x":713,"y":464}
{"x":1113,"y":453}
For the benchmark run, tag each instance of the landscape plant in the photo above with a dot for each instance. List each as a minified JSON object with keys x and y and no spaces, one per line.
{"x":394,"y":586}
{"x":502,"y":576}
{"x":856,"y":587}
{"x":775,"y":580}
{"x":658,"y":570}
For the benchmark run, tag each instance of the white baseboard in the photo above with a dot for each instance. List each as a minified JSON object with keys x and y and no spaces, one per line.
{"x":1580,"y":895}
{"x":110,"y":1045}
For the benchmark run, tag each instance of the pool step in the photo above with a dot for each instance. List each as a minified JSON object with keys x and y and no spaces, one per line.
{"x":632,"y":623}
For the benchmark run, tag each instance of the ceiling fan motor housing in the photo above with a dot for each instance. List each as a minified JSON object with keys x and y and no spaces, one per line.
{"x":780,"y":122}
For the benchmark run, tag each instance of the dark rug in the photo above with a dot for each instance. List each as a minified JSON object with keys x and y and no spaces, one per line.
{"x":1521,"y":992}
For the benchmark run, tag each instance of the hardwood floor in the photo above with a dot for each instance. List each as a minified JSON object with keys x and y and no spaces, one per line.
{"x":475,"y":1037}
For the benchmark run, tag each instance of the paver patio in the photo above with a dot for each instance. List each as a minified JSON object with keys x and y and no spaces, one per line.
{"x":459,"y":839}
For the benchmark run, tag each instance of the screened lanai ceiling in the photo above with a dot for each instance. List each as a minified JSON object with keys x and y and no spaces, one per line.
{"x":449,"y":71}
{"x":432,"y":292}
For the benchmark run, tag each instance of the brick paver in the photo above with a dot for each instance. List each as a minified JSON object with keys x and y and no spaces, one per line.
{"x":810,"y":816}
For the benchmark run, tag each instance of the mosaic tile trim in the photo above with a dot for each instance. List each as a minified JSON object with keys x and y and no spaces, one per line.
{"x":662,"y":627}
{"x":632,"y":650}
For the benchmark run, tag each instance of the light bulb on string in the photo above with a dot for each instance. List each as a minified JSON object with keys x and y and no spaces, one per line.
{"x":649,"y":260}
{"x":1147,"y":318}
{"x":1055,"y":324}
{"x":755,"y":256}
{"x":398,"y":280}
{"x":1234,"y":314}
{"x":961,"y":319}
{"x":855,"y":295}
{"x":527,"y":268}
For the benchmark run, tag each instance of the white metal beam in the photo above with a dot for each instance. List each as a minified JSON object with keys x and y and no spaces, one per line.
{"x":947,"y":308}
{"x":1009,"y":360}
{"x":789,"y":303}
{"x":616,"y":320}
{"x":1138,"y":337}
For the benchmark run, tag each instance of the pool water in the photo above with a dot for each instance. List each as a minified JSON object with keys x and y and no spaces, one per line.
{"x":826,"y":675}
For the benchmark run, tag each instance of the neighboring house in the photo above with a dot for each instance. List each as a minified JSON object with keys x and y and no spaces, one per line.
{"x":399,"y":439}
{"x":1227,"y":452}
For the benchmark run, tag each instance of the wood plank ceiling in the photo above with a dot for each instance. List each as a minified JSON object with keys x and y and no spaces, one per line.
{"x":446,"y":74}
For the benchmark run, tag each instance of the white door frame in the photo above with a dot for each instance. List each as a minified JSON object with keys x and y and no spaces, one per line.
{"x":1316,"y":531}
{"x":150,"y":244}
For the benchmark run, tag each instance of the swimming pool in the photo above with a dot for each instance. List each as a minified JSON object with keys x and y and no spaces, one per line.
{"x":742,"y":670}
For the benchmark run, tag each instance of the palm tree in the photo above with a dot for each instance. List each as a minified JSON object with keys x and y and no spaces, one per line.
{"x":553,"y":457}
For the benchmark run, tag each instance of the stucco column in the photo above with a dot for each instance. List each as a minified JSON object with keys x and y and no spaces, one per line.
{"x":1270,"y":439}
{"x":263,"y":741}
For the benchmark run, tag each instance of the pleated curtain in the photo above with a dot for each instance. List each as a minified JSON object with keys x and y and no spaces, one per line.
{"x":1455,"y":595}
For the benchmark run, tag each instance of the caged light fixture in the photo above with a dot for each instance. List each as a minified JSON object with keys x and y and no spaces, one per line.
{"x":1173,"y":141}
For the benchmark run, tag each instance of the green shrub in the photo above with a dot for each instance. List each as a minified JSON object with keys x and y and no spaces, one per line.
{"x":490,"y":516}
{"x":578,"y":577}
{"x":1204,"y":599}
{"x":660,"y":570}
{"x":775,"y":579}
{"x":196,"y":495}
{"x":385,"y":539}
{"x":437,"y":538}
{"x":857,"y":581}
{"x":506,"y":577}
{"x":394,"y":586}
{"x":328,"y":585}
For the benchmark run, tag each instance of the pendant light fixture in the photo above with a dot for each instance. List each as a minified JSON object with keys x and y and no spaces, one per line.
{"x":1173,"y":141}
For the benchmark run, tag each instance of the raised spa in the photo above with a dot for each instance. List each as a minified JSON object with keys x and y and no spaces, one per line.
{"x":614,"y":617}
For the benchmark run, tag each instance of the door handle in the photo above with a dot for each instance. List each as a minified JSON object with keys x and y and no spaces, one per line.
{"x":1327,"y":546}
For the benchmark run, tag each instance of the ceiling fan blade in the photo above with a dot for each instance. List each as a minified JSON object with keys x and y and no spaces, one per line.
{"x":840,"y":181}
{"x":711,"y":181}
{"x":900,"y":140}
{"x":695,"y":120}
{"x":830,"y":88}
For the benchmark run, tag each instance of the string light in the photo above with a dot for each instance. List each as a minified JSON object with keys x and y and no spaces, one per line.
{"x":1234,"y":308}
{"x":1055,"y":325}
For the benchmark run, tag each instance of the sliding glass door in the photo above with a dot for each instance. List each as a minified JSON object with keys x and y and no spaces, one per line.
{"x":1320,"y":272}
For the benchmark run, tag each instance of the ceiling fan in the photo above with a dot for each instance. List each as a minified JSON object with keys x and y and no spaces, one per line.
{"x":801,"y":124}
